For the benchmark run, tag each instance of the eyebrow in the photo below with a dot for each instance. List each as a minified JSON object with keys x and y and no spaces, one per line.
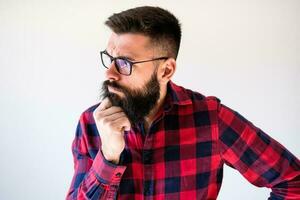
{"x":128,"y":57}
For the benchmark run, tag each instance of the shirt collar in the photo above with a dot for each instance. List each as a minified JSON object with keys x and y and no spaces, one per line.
{"x":176,"y":95}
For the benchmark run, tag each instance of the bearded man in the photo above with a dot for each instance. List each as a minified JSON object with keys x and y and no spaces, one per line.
{"x":152,"y":139}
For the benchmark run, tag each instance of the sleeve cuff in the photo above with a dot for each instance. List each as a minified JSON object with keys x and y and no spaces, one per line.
{"x":106,"y":172}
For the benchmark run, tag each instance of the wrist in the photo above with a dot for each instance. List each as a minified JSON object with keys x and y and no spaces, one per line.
{"x":111,"y":158}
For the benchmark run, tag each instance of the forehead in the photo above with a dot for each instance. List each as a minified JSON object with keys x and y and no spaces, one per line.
{"x":129,"y":44}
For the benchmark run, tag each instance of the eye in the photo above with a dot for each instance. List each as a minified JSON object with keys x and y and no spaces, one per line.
{"x":122,"y":63}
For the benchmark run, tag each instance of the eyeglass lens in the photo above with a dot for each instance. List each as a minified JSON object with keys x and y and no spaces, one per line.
{"x":123,"y":66}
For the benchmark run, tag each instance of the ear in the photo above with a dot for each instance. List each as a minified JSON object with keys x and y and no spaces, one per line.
{"x":167,"y":70}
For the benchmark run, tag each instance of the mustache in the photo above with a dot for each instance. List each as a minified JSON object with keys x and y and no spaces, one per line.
{"x":113,"y":85}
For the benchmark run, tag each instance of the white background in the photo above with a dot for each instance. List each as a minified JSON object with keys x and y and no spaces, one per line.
{"x":246,"y":52}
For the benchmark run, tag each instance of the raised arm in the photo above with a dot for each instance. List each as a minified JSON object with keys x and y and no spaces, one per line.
{"x":94,"y":177}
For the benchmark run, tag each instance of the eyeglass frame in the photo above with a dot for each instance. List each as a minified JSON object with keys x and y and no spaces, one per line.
{"x":131,"y":63}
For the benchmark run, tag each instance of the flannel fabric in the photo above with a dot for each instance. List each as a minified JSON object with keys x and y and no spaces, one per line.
{"x":182,"y":155}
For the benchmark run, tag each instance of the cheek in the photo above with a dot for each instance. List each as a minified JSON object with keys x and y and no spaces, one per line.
{"x":140,"y":76}
{"x":134,"y":82}
{"x":129,"y":84}
{"x":136,"y":87}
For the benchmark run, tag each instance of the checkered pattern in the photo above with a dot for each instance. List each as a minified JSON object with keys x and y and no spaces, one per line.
{"x":182,"y":155}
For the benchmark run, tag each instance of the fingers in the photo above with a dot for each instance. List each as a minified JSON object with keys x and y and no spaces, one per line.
{"x":109,"y":114}
{"x":113,"y":117}
{"x":104,"y":108}
{"x":106,"y":115}
{"x":117,"y":121}
{"x":105,"y":104}
{"x":123,"y":123}
{"x":110,"y":111}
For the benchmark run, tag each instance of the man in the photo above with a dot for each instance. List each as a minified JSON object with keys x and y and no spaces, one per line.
{"x":152,"y":139}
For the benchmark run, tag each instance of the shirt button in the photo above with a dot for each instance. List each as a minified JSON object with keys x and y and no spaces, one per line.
{"x":118,"y":174}
{"x":147,"y":156}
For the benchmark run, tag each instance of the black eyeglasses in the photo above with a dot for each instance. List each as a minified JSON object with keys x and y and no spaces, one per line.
{"x":123,"y":65}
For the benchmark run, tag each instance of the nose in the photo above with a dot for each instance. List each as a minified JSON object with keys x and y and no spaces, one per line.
{"x":111,"y":73}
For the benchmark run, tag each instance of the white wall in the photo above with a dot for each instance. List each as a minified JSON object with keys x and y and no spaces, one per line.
{"x":246,"y":52}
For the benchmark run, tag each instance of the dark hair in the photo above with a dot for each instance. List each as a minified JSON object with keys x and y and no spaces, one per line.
{"x":160,"y":25}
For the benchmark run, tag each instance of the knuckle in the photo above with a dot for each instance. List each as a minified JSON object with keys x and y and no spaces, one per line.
{"x":112,"y":124}
{"x":106,"y":121}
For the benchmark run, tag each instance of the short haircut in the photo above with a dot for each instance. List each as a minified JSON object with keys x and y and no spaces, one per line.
{"x":161,"y":26}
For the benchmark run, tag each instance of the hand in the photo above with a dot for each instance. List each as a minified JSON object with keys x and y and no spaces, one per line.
{"x":111,"y":122}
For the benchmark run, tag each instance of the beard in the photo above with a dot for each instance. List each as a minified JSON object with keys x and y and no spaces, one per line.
{"x":136,"y":103}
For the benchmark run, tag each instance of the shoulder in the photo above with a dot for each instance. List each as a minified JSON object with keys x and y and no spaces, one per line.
{"x":193,"y":97}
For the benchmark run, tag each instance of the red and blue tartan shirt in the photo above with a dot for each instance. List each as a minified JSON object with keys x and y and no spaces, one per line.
{"x":182,"y":155}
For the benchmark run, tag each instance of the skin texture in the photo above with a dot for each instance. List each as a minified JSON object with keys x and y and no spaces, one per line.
{"x":110,"y":120}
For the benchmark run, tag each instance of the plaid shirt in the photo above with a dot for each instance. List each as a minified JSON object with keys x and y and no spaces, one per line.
{"x":182,"y":155}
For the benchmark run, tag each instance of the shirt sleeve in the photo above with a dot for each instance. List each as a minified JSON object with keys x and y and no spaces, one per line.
{"x":259,"y":158}
{"x":93,"y":178}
